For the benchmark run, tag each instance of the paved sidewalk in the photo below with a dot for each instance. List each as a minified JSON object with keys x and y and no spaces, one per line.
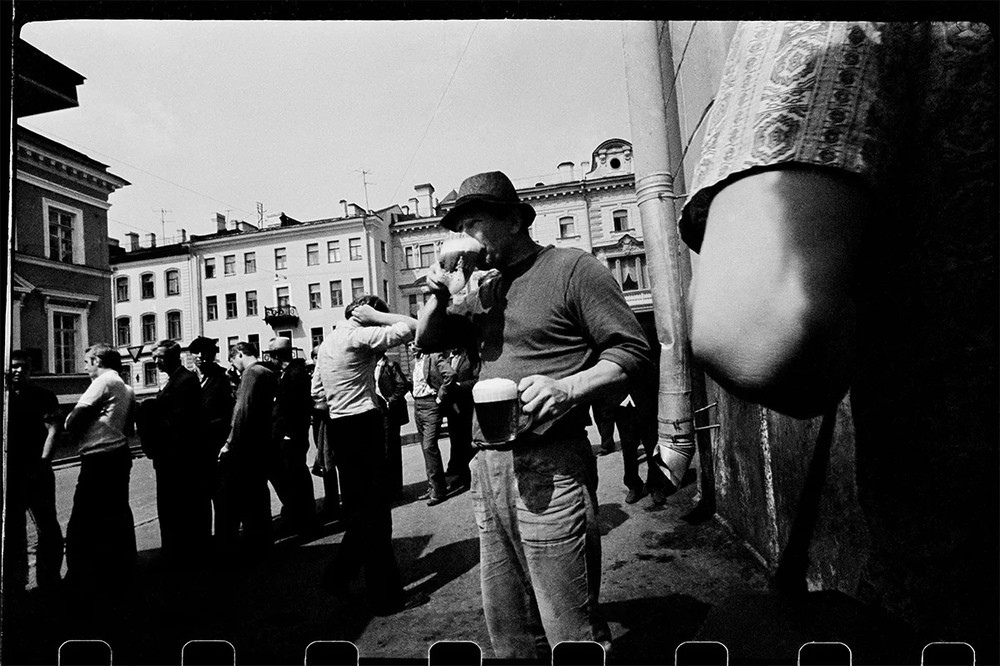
{"x":661,"y":576}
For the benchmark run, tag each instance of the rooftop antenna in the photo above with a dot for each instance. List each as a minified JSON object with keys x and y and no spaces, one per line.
{"x":364,"y":180}
{"x":260,"y":215}
{"x":163,"y":223}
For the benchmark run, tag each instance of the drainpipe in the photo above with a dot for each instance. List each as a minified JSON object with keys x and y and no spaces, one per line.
{"x":669,"y":263}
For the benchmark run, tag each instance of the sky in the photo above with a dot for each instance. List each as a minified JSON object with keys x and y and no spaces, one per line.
{"x":206,"y":117}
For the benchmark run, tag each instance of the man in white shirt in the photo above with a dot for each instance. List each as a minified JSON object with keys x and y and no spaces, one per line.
{"x":100,"y":537}
{"x":345,"y":377}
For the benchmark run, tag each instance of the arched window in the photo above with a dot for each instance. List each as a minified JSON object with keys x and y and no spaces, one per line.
{"x":124,"y":331}
{"x":174,"y":325}
{"x":121,"y":289}
{"x":146,"y":287}
{"x":148,"y":328}
{"x":173,"y":282}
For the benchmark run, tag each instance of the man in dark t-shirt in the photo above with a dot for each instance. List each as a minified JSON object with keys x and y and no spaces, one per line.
{"x":556,"y":323}
{"x":32,"y":429}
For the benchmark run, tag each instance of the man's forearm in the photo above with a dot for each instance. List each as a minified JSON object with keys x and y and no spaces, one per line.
{"x":390,"y":318}
{"x":50,"y":441}
{"x":431,"y":323}
{"x":603,"y":378}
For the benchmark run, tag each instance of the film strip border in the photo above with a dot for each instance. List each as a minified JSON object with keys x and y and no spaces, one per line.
{"x":467,"y":653}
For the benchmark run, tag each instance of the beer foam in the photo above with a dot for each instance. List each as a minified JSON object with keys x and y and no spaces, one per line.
{"x":494,"y":390}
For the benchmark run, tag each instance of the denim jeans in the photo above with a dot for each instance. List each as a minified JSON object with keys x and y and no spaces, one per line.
{"x":540,"y":548}
{"x":427,"y":414}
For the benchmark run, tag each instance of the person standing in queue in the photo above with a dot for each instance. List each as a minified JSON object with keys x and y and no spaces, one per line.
{"x":217,"y":407}
{"x":345,"y":375}
{"x":243,"y":459}
{"x":290,"y":431}
{"x":392,"y":386}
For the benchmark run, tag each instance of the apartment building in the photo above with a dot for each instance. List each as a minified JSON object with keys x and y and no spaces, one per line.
{"x":60,"y":287}
{"x":291,"y":278}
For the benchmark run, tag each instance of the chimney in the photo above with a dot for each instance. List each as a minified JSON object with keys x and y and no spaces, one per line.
{"x":184,"y":235}
{"x":133,"y":241}
{"x":425,"y":193}
{"x":343,"y":205}
{"x":415,"y":202}
{"x":357,"y":211}
{"x":405,"y":209}
{"x":220,"y":222}
{"x":152,"y":239}
{"x":566,"y":171}
{"x":584,"y":169}
{"x":114,"y":242}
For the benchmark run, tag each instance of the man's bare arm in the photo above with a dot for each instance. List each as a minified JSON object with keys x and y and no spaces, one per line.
{"x":432,"y":320}
{"x":773,"y":312}
{"x":546,"y":397}
{"x":81,"y":417}
{"x":366,"y":315}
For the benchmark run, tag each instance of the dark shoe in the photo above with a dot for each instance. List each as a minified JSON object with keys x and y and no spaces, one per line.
{"x":426,"y":495}
{"x":605,"y":452}
{"x":634,"y":495}
{"x":659,"y":495}
{"x":434,"y":500}
{"x":459,"y":485}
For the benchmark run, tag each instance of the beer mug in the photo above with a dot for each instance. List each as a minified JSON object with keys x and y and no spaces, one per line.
{"x":498,"y":410}
{"x":457,"y":258}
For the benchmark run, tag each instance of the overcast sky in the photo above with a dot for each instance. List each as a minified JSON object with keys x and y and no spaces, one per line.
{"x":205,"y":117}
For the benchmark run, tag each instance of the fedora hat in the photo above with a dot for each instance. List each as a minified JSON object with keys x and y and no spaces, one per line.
{"x":492,"y":188}
{"x":279,"y":344}
{"x":203,"y":344}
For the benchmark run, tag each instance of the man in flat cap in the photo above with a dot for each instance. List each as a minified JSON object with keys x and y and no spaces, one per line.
{"x":290,"y":433}
{"x":555,"y":322}
{"x":217,"y":405}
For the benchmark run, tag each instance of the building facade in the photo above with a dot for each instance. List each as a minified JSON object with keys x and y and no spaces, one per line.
{"x":60,"y":289}
{"x":293,"y":279}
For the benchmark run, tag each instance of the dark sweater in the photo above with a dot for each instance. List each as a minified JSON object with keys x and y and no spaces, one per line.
{"x":554,"y":313}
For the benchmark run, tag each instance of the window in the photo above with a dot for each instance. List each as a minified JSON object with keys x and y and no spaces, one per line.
{"x":250,"y":262}
{"x":174,"y":325}
{"x":62,"y":229}
{"x":333,"y":252}
{"x":229,"y":264}
{"x":336,"y":293}
{"x":567,"y":228}
{"x":312,"y":254}
{"x":357,"y":287}
{"x":254,"y":340}
{"x":121,"y":289}
{"x":252,"y":303}
{"x":426,"y":255}
{"x":230,"y":343}
{"x":67,"y":342}
{"x":173,"y":282}
{"x":385,"y":290}
{"x":124,"y":331}
{"x":126,"y":374}
{"x":150,"y":375}
{"x":280,"y":259}
{"x":354,"y":249}
{"x":209,"y":268}
{"x":316,"y":336}
{"x":620,"y":218}
{"x":211,"y":308}
{"x":385,"y":254}
{"x":146,"y":287}
{"x":630,"y":272}
{"x":231,"y":311}
{"x":408,"y":253}
{"x":315,"y":300}
{"x":281,"y":294}
{"x":148,"y":328}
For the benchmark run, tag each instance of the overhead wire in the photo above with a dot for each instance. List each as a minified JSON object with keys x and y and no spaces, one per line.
{"x":434,"y":115}
{"x":132,"y":166}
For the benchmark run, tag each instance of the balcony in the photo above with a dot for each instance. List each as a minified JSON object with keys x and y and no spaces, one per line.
{"x":281,"y":316}
{"x":640,"y":300}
